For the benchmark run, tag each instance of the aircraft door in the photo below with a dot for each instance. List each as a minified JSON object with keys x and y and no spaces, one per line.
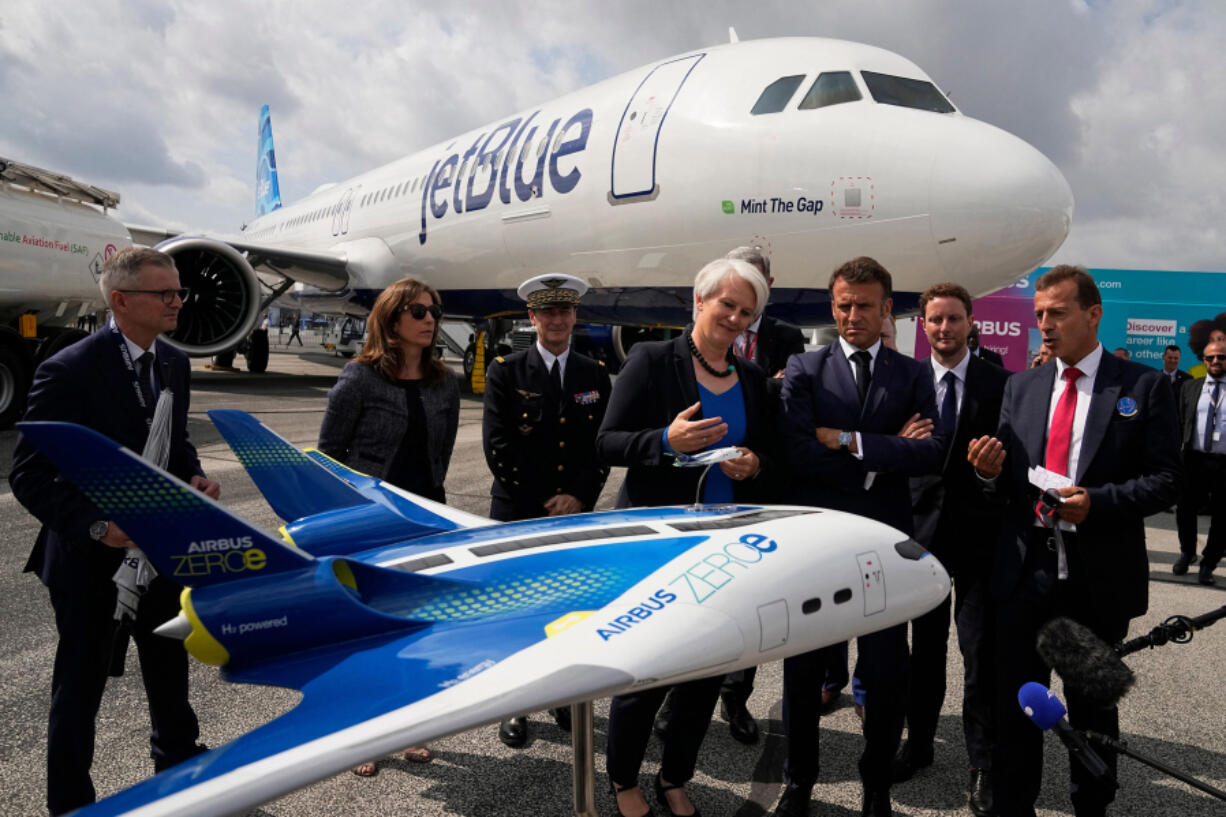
{"x":638,"y":133}
{"x":340,"y":217}
{"x":874,"y":582}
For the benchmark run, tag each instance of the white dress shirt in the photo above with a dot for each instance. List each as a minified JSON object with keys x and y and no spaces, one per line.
{"x":1203,"y":406}
{"x":549,"y":357}
{"x":135,"y":351}
{"x":959,"y":370}
{"x":1088,"y":366}
{"x":848,"y":351}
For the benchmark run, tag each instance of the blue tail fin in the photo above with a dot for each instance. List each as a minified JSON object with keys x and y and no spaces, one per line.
{"x":188,"y":537}
{"x":294,"y":485}
{"x":267,"y":191}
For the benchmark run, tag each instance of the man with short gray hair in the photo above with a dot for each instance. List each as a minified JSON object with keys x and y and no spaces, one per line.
{"x":126,"y":383}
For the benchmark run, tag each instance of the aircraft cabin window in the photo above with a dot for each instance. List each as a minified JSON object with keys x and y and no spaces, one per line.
{"x":830,"y":88}
{"x":774,"y":97}
{"x":906,"y":92}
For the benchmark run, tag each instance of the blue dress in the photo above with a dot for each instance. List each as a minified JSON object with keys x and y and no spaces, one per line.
{"x":731,"y":407}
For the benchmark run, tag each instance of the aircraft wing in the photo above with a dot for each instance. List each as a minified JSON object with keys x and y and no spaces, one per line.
{"x":323,"y":269}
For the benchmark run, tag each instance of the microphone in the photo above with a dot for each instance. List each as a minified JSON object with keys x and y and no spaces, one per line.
{"x":1042,"y":706}
{"x":1087,"y":665}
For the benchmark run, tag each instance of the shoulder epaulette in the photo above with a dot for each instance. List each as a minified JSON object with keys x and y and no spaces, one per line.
{"x":601,"y":362}
{"x":500,"y":359}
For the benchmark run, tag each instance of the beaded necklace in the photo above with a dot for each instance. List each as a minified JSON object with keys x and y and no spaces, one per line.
{"x":702,"y":361}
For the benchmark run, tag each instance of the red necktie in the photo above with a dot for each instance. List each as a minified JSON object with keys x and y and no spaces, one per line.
{"x":1060,"y":436}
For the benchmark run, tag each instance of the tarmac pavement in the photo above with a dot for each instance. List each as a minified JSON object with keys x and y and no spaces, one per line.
{"x":1176,"y":712}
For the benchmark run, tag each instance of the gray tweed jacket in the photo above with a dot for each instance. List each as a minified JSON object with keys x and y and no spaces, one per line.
{"x":367,"y":415}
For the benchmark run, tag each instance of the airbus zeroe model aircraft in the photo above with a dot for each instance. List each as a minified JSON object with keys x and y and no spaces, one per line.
{"x":401,"y":620}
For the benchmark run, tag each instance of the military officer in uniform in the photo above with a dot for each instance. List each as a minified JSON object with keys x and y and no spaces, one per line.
{"x":543,"y":406}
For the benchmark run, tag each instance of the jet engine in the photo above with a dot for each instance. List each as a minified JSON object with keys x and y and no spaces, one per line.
{"x":223,"y":302}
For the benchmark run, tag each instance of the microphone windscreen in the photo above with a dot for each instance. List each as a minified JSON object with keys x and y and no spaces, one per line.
{"x":1086,"y":664}
{"x":1040,"y":705}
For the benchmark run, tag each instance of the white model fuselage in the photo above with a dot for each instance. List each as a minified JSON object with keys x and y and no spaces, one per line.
{"x":636,"y":182}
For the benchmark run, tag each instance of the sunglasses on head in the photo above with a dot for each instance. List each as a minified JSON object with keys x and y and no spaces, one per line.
{"x":418,"y":311}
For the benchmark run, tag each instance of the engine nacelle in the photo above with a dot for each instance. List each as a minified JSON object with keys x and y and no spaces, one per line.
{"x":223,"y":305}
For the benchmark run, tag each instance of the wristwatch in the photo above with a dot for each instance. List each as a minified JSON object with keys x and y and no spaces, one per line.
{"x":98,"y":530}
{"x":845,"y":440}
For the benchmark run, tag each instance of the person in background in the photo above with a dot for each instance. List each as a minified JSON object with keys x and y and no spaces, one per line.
{"x":1109,"y":427}
{"x":945,"y":506}
{"x":675,"y":398}
{"x":543,"y":407}
{"x":293,"y":332}
{"x":1122,"y":353}
{"x":844,"y":406}
{"x":1201,"y":334}
{"x":1170,"y":367}
{"x":395,"y":409}
{"x":980,"y":351}
{"x":1203,"y":435}
{"x":1044,"y":356}
{"x":112,"y":382}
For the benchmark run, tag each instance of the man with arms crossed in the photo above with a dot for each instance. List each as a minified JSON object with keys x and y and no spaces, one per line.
{"x":843,"y":408}
{"x":1108,"y":426}
{"x":109,"y":382}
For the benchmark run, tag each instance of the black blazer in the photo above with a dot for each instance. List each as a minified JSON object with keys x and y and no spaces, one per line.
{"x":1181,"y":377}
{"x":777,"y":341}
{"x":656,"y":383}
{"x":819,"y":391}
{"x":537,"y":448}
{"x":953,"y":519}
{"x":1129,"y":464}
{"x":991,"y":357}
{"x":1186,"y":398}
{"x":88,"y":384}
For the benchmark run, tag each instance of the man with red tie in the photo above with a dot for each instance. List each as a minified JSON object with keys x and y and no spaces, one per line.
{"x":1105,"y":428}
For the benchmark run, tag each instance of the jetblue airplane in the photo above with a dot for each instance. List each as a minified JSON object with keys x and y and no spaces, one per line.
{"x":816,"y":150}
{"x":402,"y":620}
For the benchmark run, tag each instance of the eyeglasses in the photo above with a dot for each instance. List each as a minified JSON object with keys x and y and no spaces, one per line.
{"x":1211,"y":358}
{"x":168,"y":295}
{"x":418,"y":311}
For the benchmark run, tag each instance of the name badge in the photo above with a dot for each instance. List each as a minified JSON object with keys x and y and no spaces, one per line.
{"x":1127,"y":407}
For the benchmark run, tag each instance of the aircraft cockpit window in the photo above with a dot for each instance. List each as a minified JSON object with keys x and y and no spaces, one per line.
{"x":906,"y":92}
{"x":774,"y":97}
{"x":830,"y":88}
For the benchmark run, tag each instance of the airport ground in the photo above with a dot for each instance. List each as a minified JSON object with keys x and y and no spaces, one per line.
{"x":1176,"y":712}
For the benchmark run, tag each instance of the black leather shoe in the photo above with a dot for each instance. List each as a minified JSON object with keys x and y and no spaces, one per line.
{"x":513,"y":732}
{"x":981,"y":801}
{"x":663,"y":717}
{"x":1206,"y":578}
{"x":561,"y":716}
{"x":876,"y":803}
{"x":1181,"y":564}
{"x":794,"y":802}
{"x":909,"y":760}
{"x":663,"y":801}
{"x":741,"y":724}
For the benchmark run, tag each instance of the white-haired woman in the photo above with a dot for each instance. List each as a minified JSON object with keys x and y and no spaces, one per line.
{"x":684,"y":396}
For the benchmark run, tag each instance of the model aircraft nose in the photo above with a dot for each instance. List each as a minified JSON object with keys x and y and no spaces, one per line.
{"x":999,"y":207}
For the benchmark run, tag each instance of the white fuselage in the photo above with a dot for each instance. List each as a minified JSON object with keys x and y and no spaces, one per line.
{"x":636,"y":182}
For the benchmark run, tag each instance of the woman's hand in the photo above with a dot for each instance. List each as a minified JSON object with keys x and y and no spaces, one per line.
{"x":686,"y":435}
{"x":743,"y":467}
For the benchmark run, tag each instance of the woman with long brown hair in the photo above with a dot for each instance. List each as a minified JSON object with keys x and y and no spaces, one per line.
{"x":394,"y":411}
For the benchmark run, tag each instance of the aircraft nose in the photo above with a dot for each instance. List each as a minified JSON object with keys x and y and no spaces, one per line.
{"x":999,"y":206}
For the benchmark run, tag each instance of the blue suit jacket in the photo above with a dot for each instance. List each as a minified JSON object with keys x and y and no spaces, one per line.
{"x":819,"y":391}
{"x":87,"y":383}
{"x":1129,"y":464}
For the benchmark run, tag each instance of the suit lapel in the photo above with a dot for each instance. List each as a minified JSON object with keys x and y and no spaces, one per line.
{"x":879,"y":386}
{"x":839,"y":378}
{"x":1035,"y":404}
{"x":1105,"y":393}
{"x":684,"y":369}
{"x":762,"y":351}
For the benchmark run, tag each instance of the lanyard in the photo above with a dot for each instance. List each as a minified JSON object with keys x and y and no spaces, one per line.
{"x":126,"y":356}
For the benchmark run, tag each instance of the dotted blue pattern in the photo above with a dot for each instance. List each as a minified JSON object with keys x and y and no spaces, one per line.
{"x":574,"y":587}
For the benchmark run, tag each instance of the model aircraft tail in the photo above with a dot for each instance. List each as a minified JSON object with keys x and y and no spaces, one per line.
{"x":331,"y":509}
{"x":189,"y":537}
{"x":267,"y":191}
{"x":294,"y":485}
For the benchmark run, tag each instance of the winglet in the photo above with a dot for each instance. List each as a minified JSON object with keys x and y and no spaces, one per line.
{"x":267,"y":190}
{"x":189,"y":537}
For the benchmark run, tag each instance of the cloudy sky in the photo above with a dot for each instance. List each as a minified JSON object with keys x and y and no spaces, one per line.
{"x":158,"y":99}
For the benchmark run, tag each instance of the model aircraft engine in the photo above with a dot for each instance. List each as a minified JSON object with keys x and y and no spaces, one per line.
{"x":223,"y":303}
{"x":235,"y":623}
